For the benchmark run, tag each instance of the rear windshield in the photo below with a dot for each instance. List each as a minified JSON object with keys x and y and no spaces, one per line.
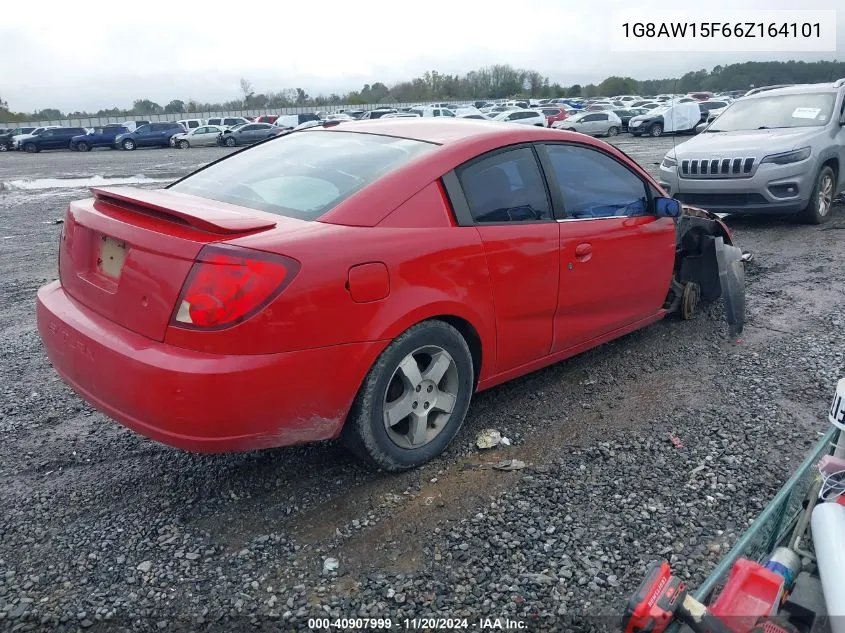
{"x":304,"y":174}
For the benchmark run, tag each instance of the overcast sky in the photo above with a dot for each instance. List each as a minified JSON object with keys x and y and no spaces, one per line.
{"x":87,"y":56}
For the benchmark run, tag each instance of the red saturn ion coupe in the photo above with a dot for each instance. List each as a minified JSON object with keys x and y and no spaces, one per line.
{"x":363,"y":280}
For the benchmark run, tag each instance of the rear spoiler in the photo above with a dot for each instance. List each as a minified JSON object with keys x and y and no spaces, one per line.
{"x":206,"y":215}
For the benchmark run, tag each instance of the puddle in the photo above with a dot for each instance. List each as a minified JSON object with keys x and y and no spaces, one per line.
{"x":40,"y":184}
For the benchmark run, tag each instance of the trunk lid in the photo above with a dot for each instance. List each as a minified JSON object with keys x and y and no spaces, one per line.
{"x":126,"y":252}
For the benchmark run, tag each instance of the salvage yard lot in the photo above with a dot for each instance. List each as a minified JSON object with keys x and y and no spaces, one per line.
{"x":99,"y":523}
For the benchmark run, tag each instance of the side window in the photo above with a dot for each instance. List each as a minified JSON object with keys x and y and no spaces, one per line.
{"x":602,"y":117}
{"x":594,"y":185}
{"x":249,"y":128}
{"x":590,"y":117}
{"x":214,"y":121}
{"x":193,"y":124}
{"x":144,"y":129}
{"x":505,"y":187}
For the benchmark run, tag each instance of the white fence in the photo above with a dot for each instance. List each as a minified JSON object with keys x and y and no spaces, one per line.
{"x":103,"y":120}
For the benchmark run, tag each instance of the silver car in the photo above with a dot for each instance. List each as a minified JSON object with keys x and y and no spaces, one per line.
{"x":247,"y":134}
{"x":603,"y":123}
{"x":779,"y":151}
{"x":197,"y":137}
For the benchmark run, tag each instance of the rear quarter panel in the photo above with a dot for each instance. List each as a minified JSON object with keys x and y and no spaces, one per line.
{"x":435,"y":268}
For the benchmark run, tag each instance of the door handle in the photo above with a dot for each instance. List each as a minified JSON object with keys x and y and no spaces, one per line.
{"x":583,"y":252}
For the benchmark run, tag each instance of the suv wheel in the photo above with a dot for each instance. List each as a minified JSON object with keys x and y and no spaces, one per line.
{"x":656,"y":130}
{"x":129,"y":144}
{"x":30,"y":147}
{"x":821,"y":202}
{"x":82,"y":146}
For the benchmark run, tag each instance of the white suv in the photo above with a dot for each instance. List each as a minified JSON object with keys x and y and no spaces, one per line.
{"x":525,"y":117}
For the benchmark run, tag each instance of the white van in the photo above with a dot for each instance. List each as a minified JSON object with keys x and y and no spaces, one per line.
{"x":190,"y":124}
{"x":229,"y":121}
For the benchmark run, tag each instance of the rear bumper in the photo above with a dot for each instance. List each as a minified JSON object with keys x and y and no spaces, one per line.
{"x":198,"y":401}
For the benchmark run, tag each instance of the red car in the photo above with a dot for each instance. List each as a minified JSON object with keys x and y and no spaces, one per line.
{"x":266,"y":118}
{"x":363,"y":280}
{"x":554,"y":114}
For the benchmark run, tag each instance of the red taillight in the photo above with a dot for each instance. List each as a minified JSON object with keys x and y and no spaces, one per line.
{"x":228,"y":284}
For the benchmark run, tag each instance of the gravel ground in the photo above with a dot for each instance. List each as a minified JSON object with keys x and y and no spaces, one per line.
{"x":101,"y":529}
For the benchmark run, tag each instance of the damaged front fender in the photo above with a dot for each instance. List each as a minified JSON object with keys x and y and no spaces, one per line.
{"x":732,"y":282}
{"x":708,"y":258}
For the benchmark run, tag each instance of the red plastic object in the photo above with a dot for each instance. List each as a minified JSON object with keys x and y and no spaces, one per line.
{"x":752,"y":592}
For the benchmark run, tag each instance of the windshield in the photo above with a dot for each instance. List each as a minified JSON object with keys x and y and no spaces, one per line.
{"x":304,"y":174}
{"x":811,"y":109}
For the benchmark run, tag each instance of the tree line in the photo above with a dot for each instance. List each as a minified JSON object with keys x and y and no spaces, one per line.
{"x":498,"y":81}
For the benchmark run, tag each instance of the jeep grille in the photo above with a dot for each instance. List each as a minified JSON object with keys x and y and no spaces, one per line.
{"x":718,"y":168}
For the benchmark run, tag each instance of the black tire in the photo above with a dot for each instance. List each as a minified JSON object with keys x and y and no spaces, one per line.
{"x":230,"y":141}
{"x":32,"y":148}
{"x":656,"y":130}
{"x":82,"y":146}
{"x":818,"y":209}
{"x":183,"y":144}
{"x":4,"y":147}
{"x":365,"y":433}
{"x":612,"y":131}
{"x":128,"y":144}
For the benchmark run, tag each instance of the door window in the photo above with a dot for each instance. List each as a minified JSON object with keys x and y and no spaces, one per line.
{"x":506,"y":187}
{"x":594,"y":185}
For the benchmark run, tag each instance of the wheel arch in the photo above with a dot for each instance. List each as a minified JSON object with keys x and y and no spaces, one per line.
{"x":480,"y":337}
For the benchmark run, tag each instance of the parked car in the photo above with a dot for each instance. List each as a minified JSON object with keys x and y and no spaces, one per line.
{"x":377,"y":113}
{"x":479,"y":116}
{"x":394,"y":115}
{"x":779,"y":151}
{"x":18,"y":139}
{"x":626,"y":115}
{"x":288,"y":235}
{"x":553,"y":115}
{"x":711,"y":109}
{"x":267,"y":118}
{"x":134,"y":125}
{"x":229,"y":121}
{"x":355,"y":114}
{"x":433,"y":112}
{"x":700,"y":96}
{"x":599,"y":107}
{"x":525,"y":116}
{"x":604,"y":123}
{"x":98,"y":137}
{"x":198,"y":137}
{"x":190,"y":124}
{"x":151,"y":135}
{"x":338,"y":116}
{"x":676,"y":118}
{"x":246,"y":134}
{"x":6,"y":136}
{"x":53,"y":138}
{"x":290,"y":121}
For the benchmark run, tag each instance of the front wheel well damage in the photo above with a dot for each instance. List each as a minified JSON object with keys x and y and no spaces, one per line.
{"x":707,"y":266}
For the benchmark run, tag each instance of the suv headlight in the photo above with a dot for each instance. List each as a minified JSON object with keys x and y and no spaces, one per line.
{"x":669,"y":162}
{"x":786,"y":158}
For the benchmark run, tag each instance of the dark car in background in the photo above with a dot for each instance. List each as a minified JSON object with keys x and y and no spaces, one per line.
{"x":7,"y":134}
{"x":99,"y":137}
{"x":150,"y":135}
{"x":627,"y":114}
{"x":246,"y":134}
{"x":54,"y":138}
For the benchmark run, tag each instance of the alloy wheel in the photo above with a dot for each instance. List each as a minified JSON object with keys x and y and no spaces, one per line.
{"x":825,"y":197}
{"x":420,"y":397}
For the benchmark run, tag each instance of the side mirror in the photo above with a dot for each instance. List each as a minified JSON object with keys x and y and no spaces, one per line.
{"x":667,"y":208}
{"x":700,"y":128}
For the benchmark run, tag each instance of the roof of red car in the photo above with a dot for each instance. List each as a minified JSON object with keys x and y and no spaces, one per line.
{"x":444,"y":131}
